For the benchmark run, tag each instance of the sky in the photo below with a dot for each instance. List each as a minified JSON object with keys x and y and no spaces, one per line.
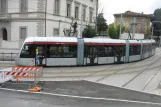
{"x":111,"y":7}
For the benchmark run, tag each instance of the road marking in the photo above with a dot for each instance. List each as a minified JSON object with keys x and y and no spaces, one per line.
{"x":83,"y":97}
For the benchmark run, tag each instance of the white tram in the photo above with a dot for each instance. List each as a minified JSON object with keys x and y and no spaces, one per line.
{"x":69,"y":51}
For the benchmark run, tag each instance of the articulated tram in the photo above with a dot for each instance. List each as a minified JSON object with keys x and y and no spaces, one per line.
{"x":70,"y":51}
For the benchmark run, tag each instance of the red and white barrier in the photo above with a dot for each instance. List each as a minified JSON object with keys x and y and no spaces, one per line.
{"x":16,"y":73}
{"x":3,"y":76}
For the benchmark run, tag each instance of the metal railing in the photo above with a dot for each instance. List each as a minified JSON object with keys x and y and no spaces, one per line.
{"x":8,"y":56}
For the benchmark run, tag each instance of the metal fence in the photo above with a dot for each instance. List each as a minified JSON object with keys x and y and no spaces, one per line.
{"x":8,"y":56}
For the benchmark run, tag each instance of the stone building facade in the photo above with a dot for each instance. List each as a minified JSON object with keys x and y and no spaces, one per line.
{"x":22,"y":18}
{"x":142,"y":21}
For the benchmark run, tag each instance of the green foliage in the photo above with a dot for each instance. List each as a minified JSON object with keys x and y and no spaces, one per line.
{"x":89,"y":32}
{"x":157,"y":17}
{"x":112,"y":32}
{"x":101,"y":23}
{"x":118,"y":29}
{"x":115,"y":32}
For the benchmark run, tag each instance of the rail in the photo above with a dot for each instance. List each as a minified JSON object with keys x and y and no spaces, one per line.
{"x":8,"y":56}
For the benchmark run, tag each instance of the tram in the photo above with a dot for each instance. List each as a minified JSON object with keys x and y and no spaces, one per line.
{"x":70,"y":51}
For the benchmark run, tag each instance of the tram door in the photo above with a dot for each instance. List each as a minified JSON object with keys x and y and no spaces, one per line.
{"x":91,"y":55}
{"x":42,"y":55}
{"x":119,"y":52}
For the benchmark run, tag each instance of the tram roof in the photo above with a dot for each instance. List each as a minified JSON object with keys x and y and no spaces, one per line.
{"x":148,"y":41}
{"x":51,"y":39}
{"x":103,"y":40}
{"x":86,"y":40}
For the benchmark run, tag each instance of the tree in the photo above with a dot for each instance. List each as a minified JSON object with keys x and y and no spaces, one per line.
{"x":112,"y":32}
{"x":89,"y":32}
{"x":115,"y":32}
{"x":101,"y":24}
{"x":157,"y":26}
{"x":72,"y":29}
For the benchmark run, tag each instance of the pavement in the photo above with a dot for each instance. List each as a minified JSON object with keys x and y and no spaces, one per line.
{"x":135,"y":84}
{"x":142,"y":76}
{"x":76,"y":94}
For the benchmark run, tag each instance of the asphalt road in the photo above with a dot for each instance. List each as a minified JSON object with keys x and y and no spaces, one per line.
{"x":16,"y":99}
{"x":81,"y":89}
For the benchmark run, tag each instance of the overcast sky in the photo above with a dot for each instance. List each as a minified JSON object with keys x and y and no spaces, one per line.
{"x":111,"y":7}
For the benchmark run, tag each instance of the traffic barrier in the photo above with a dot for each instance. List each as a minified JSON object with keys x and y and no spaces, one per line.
{"x":3,"y":77}
{"x":29,"y":75}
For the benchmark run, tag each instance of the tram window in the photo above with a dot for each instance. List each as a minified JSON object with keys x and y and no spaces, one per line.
{"x":27,"y":51}
{"x":70,"y":51}
{"x":135,"y":50}
{"x":106,"y":51}
{"x":64,"y":51}
{"x":146,"y":48}
{"x":91,"y":50}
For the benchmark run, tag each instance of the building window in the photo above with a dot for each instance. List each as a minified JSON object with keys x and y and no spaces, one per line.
{"x":68,"y":10}
{"x":23,"y":33}
{"x":57,"y":7}
{"x":84,"y":14}
{"x":23,"y":5}
{"x":56,"y":32}
{"x":90,"y":16}
{"x":3,"y":6}
{"x":4,"y":34}
{"x":67,"y":33}
{"x":77,"y":12}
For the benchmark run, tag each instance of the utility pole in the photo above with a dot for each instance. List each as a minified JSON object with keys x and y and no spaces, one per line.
{"x":45,"y":15}
{"x":120,"y":26}
{"x":133,"y":31}
{"x":96,"y":16}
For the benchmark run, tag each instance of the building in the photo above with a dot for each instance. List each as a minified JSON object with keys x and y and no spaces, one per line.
{"x":22,"y":18}
{"x":141,"y":20}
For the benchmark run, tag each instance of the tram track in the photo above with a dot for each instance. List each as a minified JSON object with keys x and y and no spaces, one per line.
{"x":127,"y":67}
{"x":142,"y":71}
{"x":151,"y":79}
{"x":93,"y":75}
{"x":90,"y":74}
{"x":114,"y":72}
{"x":104,"y":70}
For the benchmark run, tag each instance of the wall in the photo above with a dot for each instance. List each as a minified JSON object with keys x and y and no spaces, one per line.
{"x":14,"y":6}
{"x":15,"y":29}
{"x":128,"y":20}
{"x":35,"y":21}
{"x":137,"y":36}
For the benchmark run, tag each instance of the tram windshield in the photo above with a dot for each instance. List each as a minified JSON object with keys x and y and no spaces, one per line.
{"x":27,"y":51}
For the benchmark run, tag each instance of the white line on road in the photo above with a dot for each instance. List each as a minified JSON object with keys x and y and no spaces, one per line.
{"x":84,"y":97}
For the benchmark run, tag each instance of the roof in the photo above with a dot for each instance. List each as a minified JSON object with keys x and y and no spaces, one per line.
{"x":132,"y":14}
{"x":51,"y":39}
{"x":103,"y":40}
{"x":86,"y":40}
